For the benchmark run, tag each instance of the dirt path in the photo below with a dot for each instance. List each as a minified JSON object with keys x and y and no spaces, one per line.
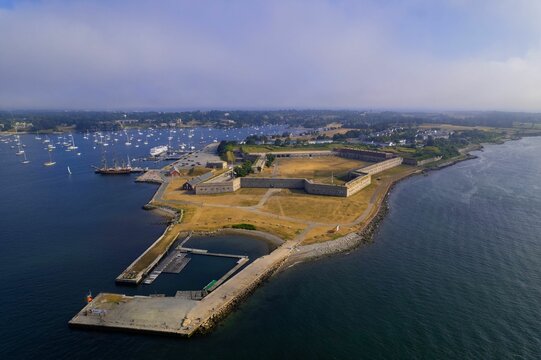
{"x":265,"y":197}
{"x":375,"y":201}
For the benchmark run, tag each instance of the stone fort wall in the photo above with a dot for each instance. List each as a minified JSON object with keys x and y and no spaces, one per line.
{"x":362,"y":176}
{"x":308,"y":153}
{"x":363,"y":155}
{"x":325,"y":189}
{"x":280,"y":183}
{"x":381,"y":166}
{"x":357,"y":184}
{"x":415,"y":162}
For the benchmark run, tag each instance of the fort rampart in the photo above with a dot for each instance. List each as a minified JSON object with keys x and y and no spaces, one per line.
{"x":361,"y":178}
{"x":381,"y":166}
{"x":282,"y":183}
{"x":415,"y":162}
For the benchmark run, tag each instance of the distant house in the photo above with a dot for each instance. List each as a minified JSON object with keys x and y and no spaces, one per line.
{"x":325,"y":141}
{"x":125,"y":122}
{"x":174,"y":171}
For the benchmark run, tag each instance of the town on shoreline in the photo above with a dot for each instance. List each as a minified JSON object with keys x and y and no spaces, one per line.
{"x":311,"y":198}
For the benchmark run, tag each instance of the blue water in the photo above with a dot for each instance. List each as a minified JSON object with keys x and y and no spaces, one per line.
{"x":454,"y":271}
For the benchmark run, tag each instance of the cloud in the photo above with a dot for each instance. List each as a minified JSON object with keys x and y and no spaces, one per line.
{"x":279,"y":54}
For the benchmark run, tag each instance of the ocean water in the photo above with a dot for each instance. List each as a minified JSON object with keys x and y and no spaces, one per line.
{"x":454,"y":271}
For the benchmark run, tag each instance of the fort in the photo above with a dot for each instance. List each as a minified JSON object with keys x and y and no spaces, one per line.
{"x":280,"y":201}
{"x":358,"y":178}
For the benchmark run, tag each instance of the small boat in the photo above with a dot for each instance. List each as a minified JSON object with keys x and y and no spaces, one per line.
{"x":50,"y":162}
{"x":69,"y":170}
{"x":72,"y":145}
{"x":20,"y":149}
{"x":89,"y":297}
{"x":25,"y":161}
{"x":128,"y":140}
{"x":158,"y":150}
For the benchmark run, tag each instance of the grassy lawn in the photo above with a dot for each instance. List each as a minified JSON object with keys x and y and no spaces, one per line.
{"x":157,"y":249}
{"x":295,"y":204}
{"x":319,"y":169}
{"x":242,"y":197}
{"x":201,"y":218}
{"x":326,"y":209}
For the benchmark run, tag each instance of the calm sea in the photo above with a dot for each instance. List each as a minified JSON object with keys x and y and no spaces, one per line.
{"x":454,"y":271}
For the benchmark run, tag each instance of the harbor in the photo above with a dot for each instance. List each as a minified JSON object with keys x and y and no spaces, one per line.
{"x":182,"y":314}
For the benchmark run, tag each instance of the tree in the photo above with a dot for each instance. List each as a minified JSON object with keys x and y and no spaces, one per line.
{"x":270,"y":159}
{"x":244,"y":169}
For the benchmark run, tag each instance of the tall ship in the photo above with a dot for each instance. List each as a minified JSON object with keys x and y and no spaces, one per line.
{"x":113,"y":170}
{"x":158,"y":150}
{"x":118,"y":169}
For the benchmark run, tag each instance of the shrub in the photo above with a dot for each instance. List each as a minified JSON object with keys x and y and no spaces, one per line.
{"x":243,"y":226}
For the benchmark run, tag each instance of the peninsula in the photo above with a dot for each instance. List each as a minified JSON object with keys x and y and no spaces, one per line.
{"x":309,"y":200}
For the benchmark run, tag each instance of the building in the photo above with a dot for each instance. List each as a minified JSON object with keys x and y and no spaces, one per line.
{"x":190,"y":184}
{"x":217,"y":164}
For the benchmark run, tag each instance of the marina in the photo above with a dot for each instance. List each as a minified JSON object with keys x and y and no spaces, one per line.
{"x":178,"y":315}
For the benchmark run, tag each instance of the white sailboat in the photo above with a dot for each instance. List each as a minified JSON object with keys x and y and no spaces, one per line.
{"x":72,"y":146}
{"x":19,"y":146}
{"x":25,"y":161}
{"x":50,"y":162}
{"x":128,"y":141}
{"x":20,"y":151}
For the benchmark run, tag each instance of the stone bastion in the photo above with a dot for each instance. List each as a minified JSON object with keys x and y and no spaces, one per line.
{"x":360,"y":178}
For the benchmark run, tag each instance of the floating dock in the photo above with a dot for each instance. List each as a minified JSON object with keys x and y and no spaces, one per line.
{"x":176,"y":261}
{"x":173,"y":263}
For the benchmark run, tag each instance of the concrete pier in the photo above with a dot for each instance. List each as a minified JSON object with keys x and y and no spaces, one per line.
{"x":240,"y":263}
{"x":138,"y":270}
{"x":177,"y":315}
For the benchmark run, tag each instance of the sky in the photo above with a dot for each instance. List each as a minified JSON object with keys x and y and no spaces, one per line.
{"x":233,"y":54}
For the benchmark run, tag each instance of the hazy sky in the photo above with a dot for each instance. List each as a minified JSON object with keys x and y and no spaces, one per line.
{"x":393,"y":54}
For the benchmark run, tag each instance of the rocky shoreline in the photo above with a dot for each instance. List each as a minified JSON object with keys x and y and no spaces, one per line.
{"x":225,"y":310}
{"x":364,"y":236}
{"x":300,"y":253}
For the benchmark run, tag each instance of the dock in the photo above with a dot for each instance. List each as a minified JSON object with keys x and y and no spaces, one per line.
{"x":227,"y":275}
{"x":205,"y":252}
{"x":151,"y":176}
{"x":173,"y":263}
{"x":138,"y":269}
{"x":184,"y":314}
{"x":176,"y":261}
